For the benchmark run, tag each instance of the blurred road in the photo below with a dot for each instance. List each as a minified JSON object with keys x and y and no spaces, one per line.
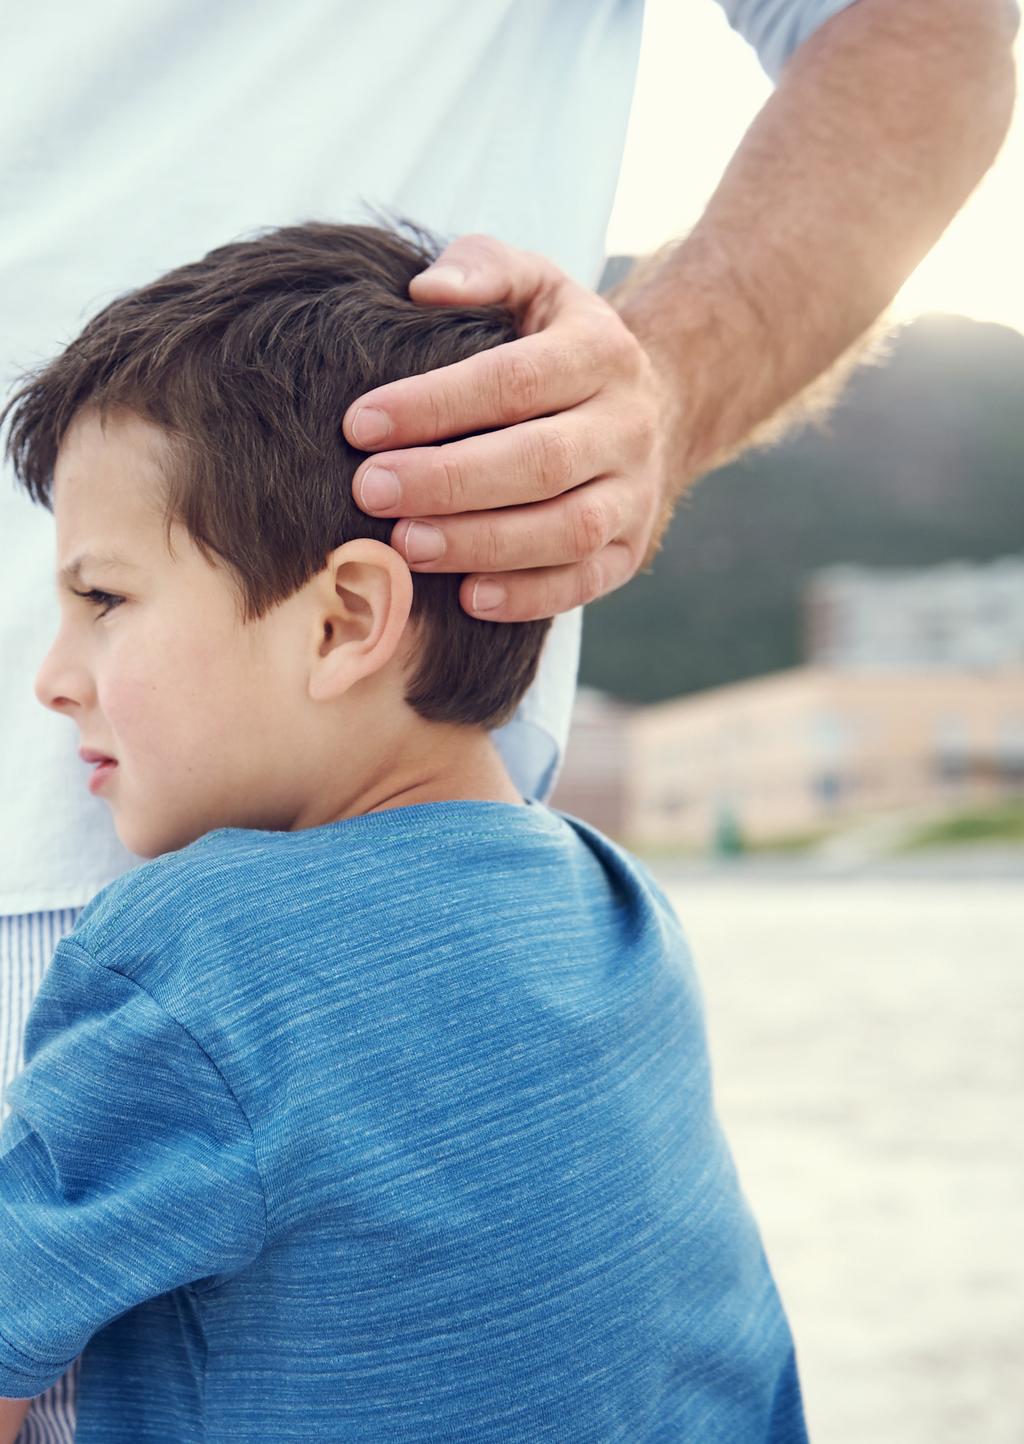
{"x":868,"y":1041}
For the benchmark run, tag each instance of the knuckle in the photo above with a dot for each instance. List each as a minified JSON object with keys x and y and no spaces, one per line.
{"x":590,"y":530}
{"x":519,"y":386}
{"x":562,"y":360}
{"x":449,"y":481}
{"x":590,"y":583}
{"x":615,"y":512}
{"x":491,"y":550}
{"x":613,"y":344}
{"x":628,"y":555}
{"x":643,"y":429}
{"x":556,"y":460}
{"x":437,"y":413}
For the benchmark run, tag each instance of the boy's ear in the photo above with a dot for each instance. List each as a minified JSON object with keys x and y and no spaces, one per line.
{"x":362,"y":597}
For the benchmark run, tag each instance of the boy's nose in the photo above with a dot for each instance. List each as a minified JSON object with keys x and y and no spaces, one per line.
{"x":60,"y":686}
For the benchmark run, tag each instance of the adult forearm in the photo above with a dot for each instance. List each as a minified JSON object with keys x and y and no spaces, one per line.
{"x":882,"y":124}
{"x":12,"y":1414}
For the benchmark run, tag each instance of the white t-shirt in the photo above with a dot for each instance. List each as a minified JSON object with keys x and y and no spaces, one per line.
{"x":135,"y":137}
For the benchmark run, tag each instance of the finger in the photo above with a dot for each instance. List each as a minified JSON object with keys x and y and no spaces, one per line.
{"x":479,"y":270}
{"x":533,"y":376}
{"x":511,"y":467}
{"x":548,"y":591}
{"x":568,"y":529}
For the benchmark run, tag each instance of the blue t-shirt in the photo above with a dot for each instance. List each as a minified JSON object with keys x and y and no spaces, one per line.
{"x":396,"y":1128}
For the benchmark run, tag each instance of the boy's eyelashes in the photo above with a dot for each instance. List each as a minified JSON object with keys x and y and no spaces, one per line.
{"x":98,"y":598}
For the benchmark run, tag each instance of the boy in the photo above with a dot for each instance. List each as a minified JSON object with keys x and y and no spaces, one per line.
{"x":377,"y":1104}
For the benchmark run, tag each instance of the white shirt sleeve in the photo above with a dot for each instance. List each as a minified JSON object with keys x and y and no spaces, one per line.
{"x":776,"y":28}
{"x":533,"y":744}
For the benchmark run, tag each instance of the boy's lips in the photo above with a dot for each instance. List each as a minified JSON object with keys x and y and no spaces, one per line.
{"x":89,"y":754}
{"x":104,"y":766}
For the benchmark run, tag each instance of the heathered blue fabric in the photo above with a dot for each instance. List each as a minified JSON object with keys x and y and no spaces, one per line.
{"x":396,"y":1129}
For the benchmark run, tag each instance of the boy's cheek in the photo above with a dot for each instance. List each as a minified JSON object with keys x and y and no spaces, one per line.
{"x":153,"y":676}
{"x":144,"y":712}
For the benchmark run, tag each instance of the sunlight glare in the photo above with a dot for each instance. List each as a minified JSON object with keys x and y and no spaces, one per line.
{"x":699,"y":86}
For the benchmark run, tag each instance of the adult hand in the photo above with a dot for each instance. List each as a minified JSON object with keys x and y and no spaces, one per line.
{"x":560,"y":505}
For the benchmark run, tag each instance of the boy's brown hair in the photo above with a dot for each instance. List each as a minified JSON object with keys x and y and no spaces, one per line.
{"x":248,"y":360}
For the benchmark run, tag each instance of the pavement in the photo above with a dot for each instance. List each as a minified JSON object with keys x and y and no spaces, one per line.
{"x":867,"y":1036}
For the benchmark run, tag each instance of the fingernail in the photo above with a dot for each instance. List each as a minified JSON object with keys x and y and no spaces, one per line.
{"x":487,"y":596}
{"x":447,"y":275}
{"x":423,"y":543}
{"x":370,"y":426}
{"x":379,"y":489}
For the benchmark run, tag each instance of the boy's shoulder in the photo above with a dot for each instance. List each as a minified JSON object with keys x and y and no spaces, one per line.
{"x":233,"y":883}
{"x":616,"y":856}
{"x":211,"y":878}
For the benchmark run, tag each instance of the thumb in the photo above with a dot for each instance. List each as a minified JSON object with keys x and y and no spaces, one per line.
{"x":481,"y":271}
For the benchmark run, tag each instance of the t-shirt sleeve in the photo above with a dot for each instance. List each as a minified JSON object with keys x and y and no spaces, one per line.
{"x":777,"y":28}
{"x":127,"y":1169}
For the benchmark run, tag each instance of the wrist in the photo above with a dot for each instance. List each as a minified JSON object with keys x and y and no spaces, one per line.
{"x":715,"y":360}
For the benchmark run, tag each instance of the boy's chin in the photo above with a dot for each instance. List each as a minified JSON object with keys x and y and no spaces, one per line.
{"x":151,"y":842}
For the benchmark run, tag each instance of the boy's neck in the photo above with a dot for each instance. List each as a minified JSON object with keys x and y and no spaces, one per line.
{"x":478,"y":775}
{"x":457,"y":764}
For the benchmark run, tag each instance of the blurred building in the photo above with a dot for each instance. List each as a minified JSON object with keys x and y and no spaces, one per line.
{"x":961,"y":614}
{"x":801,"y":750}
{"x":913,"y":696}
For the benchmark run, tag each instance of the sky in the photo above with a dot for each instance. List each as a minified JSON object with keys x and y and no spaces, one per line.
{"x":699,"y":86}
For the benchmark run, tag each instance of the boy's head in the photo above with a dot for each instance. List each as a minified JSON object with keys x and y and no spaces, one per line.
{"x":256,"y":623}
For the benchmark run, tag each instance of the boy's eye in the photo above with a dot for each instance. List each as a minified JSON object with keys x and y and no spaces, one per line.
{"x":100,"y":599}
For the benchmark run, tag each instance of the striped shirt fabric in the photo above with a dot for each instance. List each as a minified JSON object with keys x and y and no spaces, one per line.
{"x":27,"y":943}
{"x":400,"y":1127}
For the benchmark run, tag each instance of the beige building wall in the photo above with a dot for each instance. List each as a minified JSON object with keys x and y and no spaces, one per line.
{"x":794,"y":752}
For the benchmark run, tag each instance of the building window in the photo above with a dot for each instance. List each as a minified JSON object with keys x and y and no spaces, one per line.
{"x":831,"y":739}
{"x":951,"y":751}
{"x":827,"y":788}
{"x":1011,"y":754}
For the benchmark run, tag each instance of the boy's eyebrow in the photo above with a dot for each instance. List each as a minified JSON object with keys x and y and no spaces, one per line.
{"x":73,"y":571}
